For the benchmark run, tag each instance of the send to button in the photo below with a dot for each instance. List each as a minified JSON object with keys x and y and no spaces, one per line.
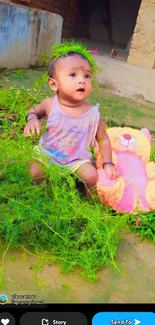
{"x":124,"y":318}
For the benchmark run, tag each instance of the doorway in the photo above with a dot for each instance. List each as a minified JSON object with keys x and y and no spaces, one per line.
{"x":109,"y":21}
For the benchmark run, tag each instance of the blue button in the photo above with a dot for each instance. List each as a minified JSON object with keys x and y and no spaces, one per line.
{"x":124,"y":318}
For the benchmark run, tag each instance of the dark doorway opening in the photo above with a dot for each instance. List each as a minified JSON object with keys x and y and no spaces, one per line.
{"x":108,"y":21}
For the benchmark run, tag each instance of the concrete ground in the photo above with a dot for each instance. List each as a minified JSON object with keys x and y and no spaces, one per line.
{"x":126,"y":80}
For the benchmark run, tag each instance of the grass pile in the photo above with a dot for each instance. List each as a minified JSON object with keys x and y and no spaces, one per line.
{"x":50,"y":220}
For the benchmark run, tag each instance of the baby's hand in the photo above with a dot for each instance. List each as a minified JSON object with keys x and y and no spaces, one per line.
{"x":111,"y":171}
{"x":32,"y":126}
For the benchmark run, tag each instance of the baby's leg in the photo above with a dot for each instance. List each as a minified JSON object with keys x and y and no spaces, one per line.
{"x":37,"y":173}
{"x":88,"y":174}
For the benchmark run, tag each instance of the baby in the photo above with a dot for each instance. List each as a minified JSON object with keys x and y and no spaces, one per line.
{"x":73,"y":126}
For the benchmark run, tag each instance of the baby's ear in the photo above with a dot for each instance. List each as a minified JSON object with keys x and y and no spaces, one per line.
{"x":52,"y":84}
{"x":146,"y":133}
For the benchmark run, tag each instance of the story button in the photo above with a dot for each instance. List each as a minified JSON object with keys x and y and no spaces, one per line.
{"x":53,"y":318}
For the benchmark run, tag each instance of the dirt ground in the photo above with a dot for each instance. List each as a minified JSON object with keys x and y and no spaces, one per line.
{"x":135,"y":284}
{"x":125,"y":79}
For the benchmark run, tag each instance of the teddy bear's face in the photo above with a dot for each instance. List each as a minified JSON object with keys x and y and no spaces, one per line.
{"x":128,"y":139}
{"x":127,"y":142}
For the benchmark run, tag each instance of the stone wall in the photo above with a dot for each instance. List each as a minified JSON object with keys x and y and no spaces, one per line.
{"x":142,"y":51}
{"x":66,"y":8}
{"x":25,"y":34}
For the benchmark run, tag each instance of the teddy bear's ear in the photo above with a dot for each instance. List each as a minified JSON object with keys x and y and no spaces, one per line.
{"x":147,"y":133}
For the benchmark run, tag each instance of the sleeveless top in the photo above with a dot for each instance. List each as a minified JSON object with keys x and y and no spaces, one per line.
{"x":68,"y":139}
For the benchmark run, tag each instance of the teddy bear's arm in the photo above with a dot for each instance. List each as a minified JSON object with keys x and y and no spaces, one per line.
{"x":150,"y":195}
{"x":109,"y":191}
{"x":150,"y":170}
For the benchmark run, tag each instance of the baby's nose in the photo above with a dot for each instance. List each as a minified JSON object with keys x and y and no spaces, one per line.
{"x":82,"y":81}
{"x":127,"y":136}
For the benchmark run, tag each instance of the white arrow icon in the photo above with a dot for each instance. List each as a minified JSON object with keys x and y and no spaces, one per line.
{"x":137,"y":321}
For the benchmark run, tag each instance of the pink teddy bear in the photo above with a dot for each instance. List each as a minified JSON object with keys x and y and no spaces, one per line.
{"x":134,"y":189}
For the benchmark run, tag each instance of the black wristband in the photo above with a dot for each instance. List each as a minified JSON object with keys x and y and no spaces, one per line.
{"x":31,"y":119}
{"x":108,"y":163}
{"x":29,"y":114}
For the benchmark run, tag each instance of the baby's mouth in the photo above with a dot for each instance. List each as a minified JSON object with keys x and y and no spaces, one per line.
{"x":81,"y":90}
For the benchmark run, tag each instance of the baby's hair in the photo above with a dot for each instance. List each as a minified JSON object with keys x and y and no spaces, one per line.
{"x":51,"y":68}
{"x":70,"y":48}
{"x":52,"y":62}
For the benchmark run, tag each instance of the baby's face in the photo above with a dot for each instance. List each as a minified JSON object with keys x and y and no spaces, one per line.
{"x":73,"y":77}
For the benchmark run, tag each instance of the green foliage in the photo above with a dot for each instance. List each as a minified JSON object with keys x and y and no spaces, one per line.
{"x":146,"y":227}
{"x":63,"y":48}
{"x":41,"y":82}
{"x":152,"y":156}
{"x":51,"y":221}
{"x":20,"y":72}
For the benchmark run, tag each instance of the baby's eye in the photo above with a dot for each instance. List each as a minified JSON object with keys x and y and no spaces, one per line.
{"x":73,"y":75}
{"x":87,"y":75}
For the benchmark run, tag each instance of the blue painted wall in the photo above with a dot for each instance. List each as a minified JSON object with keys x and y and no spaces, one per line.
{"x":14,"y":25}
{"x":25,"y":34}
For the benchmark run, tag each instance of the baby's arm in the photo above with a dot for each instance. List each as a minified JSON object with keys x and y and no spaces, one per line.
{"x":106,"y":150}
{"x":35,"y":114}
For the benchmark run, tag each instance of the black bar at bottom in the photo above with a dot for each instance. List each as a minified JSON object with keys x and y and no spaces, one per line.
{"x":47,"y":318}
